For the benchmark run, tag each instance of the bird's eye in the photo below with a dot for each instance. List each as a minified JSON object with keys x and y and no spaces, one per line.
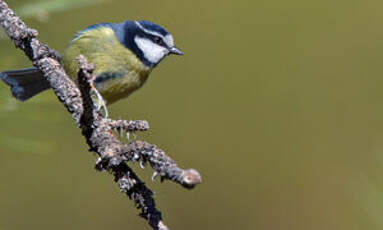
{"x":158,"y":40}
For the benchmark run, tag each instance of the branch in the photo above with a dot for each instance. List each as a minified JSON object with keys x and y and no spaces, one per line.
{"x":98,"y":131}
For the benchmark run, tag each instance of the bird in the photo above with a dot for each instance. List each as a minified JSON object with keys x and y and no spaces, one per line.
{"x":124,"y":54}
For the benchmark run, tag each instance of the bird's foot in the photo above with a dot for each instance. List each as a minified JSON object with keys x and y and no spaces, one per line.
{"x":100,"y":101}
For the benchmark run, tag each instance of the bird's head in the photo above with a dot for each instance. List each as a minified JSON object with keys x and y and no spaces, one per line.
{"x":148,"y":41}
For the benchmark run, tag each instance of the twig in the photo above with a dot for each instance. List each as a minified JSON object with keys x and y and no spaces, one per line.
{"x":98,"y":131}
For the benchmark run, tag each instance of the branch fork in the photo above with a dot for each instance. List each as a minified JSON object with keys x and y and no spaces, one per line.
{"x":113,"y":155}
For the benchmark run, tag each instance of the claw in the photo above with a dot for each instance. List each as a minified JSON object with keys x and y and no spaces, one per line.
{"x":142,"y":164}
{"x":98,"y":160}
{"x":155,"y":174}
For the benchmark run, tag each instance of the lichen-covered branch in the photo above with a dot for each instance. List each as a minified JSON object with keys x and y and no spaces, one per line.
{"x":97,"y":130}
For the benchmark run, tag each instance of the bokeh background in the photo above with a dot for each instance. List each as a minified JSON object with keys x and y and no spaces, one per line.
{"x":277,"y":103}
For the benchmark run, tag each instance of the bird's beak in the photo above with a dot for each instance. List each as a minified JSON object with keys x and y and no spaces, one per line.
{"x":175,"y":50}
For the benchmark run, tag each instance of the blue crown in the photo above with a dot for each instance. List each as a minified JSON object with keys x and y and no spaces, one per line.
{"x":150,"y":26}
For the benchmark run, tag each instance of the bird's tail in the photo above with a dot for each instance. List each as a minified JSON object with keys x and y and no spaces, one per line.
{"x":25,"y":83}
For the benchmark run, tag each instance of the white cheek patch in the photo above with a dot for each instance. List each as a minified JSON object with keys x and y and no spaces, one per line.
{"x":152,"y":52}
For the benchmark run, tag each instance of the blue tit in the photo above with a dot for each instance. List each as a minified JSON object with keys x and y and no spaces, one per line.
{"x":124,"y":55}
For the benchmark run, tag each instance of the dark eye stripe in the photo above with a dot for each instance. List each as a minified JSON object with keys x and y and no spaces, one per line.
{"x":157,"y":40}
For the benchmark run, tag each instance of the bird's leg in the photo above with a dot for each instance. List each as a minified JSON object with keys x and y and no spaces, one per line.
{"x":100,"y":101}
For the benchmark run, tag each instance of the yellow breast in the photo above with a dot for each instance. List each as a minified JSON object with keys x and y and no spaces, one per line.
{"x":118,"y":71}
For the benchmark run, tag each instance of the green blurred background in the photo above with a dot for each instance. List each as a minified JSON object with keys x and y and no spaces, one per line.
{"x":277,"y":103}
